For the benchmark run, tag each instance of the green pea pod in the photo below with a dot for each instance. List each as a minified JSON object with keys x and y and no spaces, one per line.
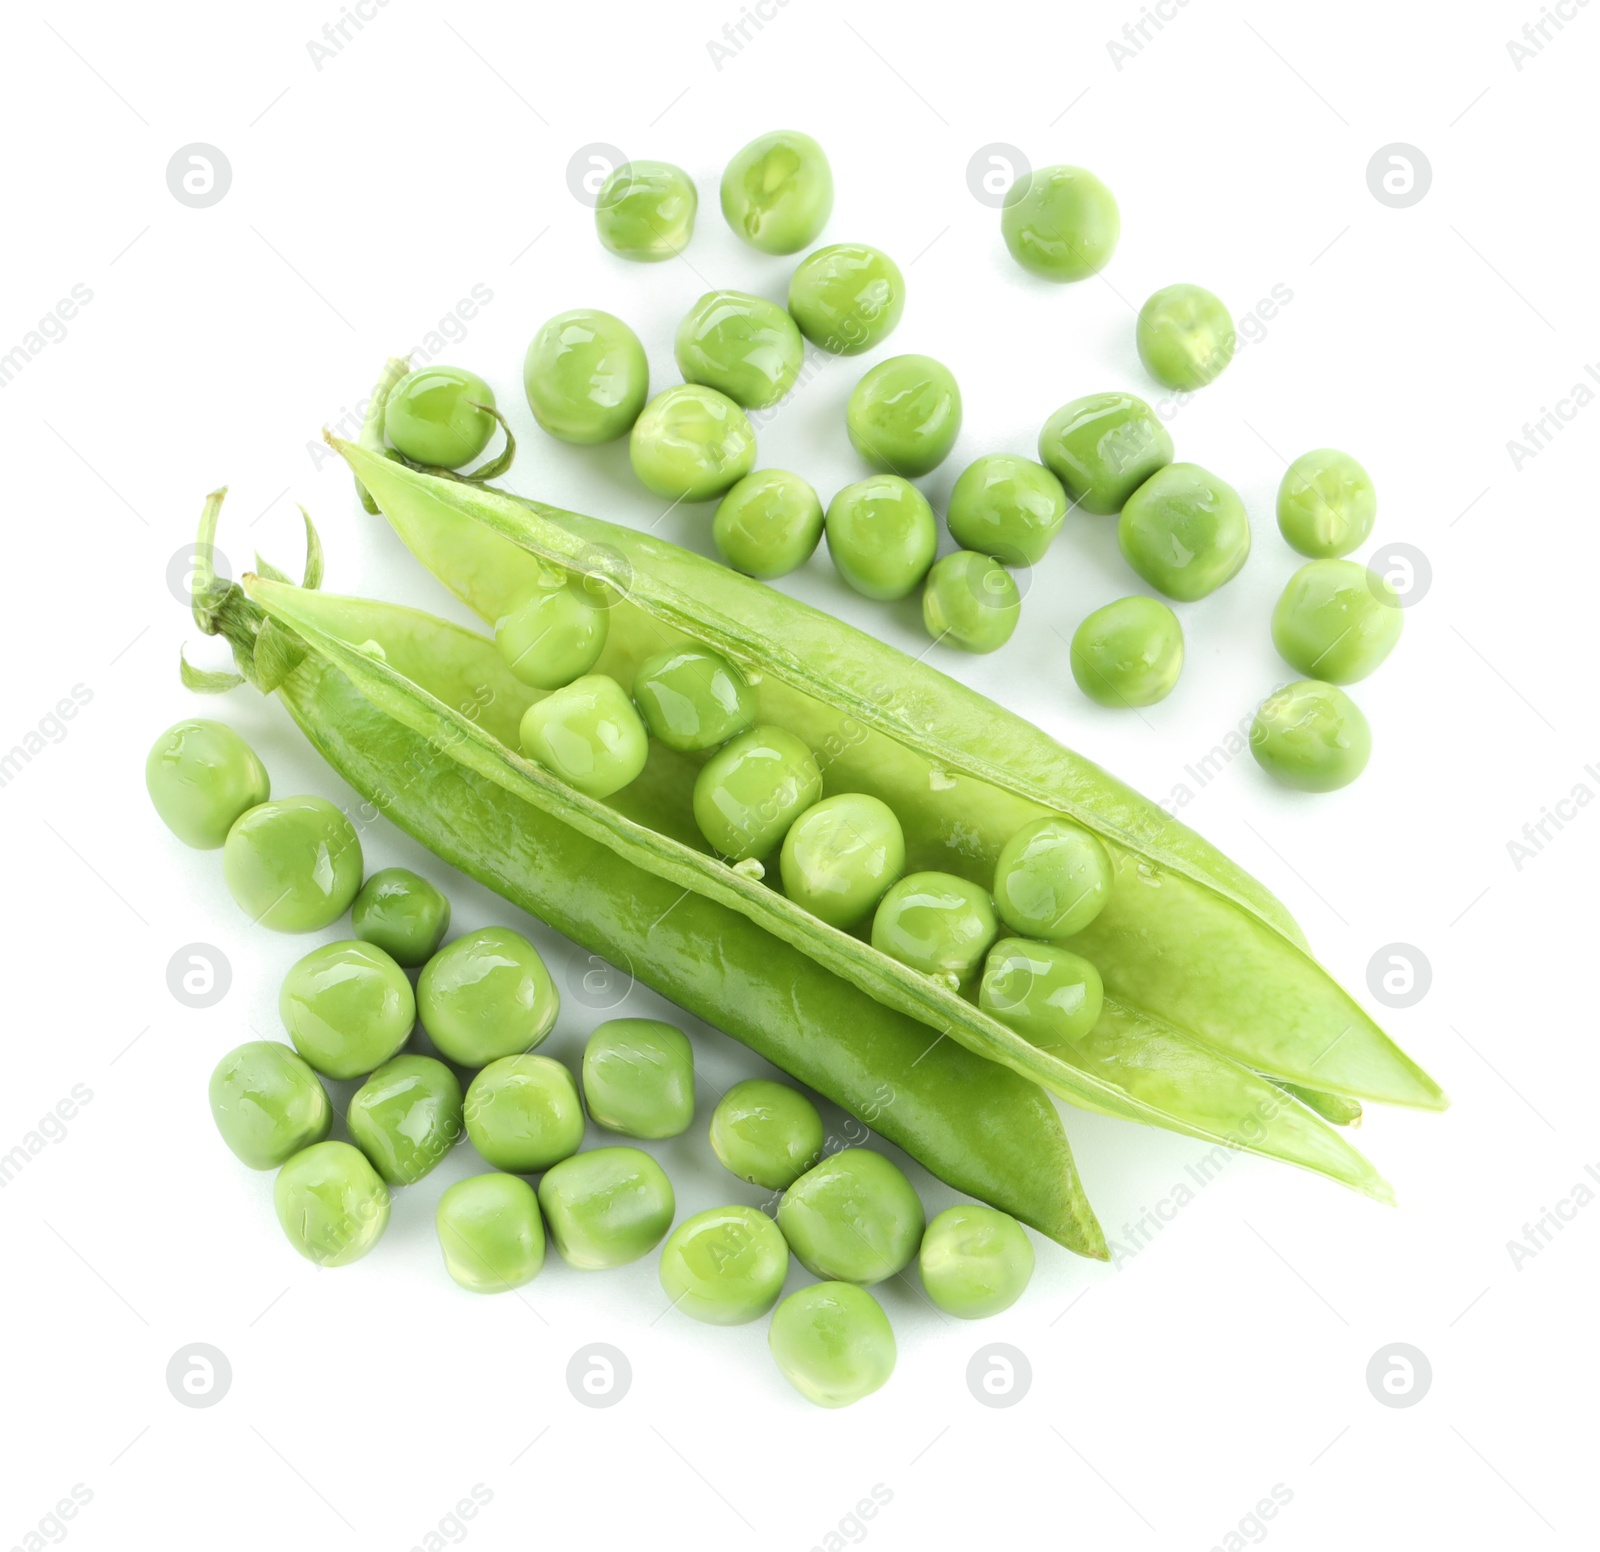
{"x":1189,"y":937}
{"x":457,"y":693}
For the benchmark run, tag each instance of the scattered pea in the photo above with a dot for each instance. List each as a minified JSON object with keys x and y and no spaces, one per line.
{"x":406,"y":1117}
{"x":882,"y":536}
{"x":331,"y":1203}
{"x":490,"y":1232}
{"x":937,"y":923}
{"x":691,"y":443}
{"x":201,"y":776}
{"x":645,"y":211}
{"x":847,"y":298}
{"x":1184,"y":531}
{"x":1060,"y":222}
{"x":441,"y":416}
{"x":1007,"y":507}
{"x":726,"y":1266}
{"x":268,"y":1104}
{"x":348,"y":1008}
{"x":1185,"y":337}
{"x":840,"y":857}
{"x":741,"y":345}
{"x":904,"y":414}
{"x":1128,"y":653}
{"x":1336,"y":621}
{"x":1048,"y":994}
{"x":523,"y":1114}
{"x":401,"y":913}
{"x":751,"y":790}
{"x":485,"y":996}
{"x":777,"y":192}
{"x":766,"y":1133}
{"x":1052,"y":879}
{"x":638,"y":1078}
{"x":606,"y":1207}
{"x":293,"y":864}
{"x":833,"y":1343}
{"x":854,"y":1217}
{"x":693,"y":699}
{"x":588,"y":734}
{"x":768,"y":524}
{"x":586,"y":377}
{"x":1326,"y":504}
{"x":1312,"y":736}
{"x":971,"y":602}
{"x":975,"y":1261}
{"x":1103,"y":448}
{"x":557,"y":633}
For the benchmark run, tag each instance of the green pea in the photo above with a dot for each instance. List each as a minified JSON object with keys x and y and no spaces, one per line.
{"x":348,"y":1008}
{"x":406,"y":1117}
{"x":557,"y":633}
{"x":768,"y":525}
{"x":638,"y":1078}
{"x":485,"y":996}
{"x":401,"y":913}
{"x":1311,"y":736}
{"x":491,"y":1233}
{"x":268,"y":1104}
{"x":853,"y":1217}
{"x":293,"y":864}
{"x":645,"y":211}
{"x":1185,"y":337}
{"x":751,"y":790}
{"x":1336,"y":621}
{"x":975,"y":1261}
{"x":766,"y":1133}
{"x":840,"y":857}
{"x":1185,"y":532}
{"x":1048,"y":994}
{"x":936,"y":923}
{"x":904,"y":414}
{"x":971,"y":602}
{"x":1326,"y":504}
{"x":726,"y":1266}
{"x":586,"y":376}
{"x":1128,"y":653}
{"x":606,"y":1207}
{"x":691,"y":443}
{"x":1052,"y":879}
{"x":331,"y":1203}
{"x":1007,"y":507}
{"x":741,"y":345}
{"x":441,"y":416}
{"x":1060,"y":222}
{"x":588,"y":734}
{"x":201,"y":776}
{"x":1103,"y":448}
{"x":777,"y":192}
{"x":847,"y":298}
{"x":833,"y":1343}
{"x":693,"y":699}
{"x":882,"y":536}
{"x":523,"y":1114}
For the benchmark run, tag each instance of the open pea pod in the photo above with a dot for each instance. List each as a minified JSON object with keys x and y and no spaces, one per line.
{"x":1132,"y":1066}
{"x":1188,"y":938}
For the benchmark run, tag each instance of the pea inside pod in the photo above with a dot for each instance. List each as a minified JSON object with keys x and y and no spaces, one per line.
{"x":692,"y":699}
{"x":1045,"y":992}
{"x":937,"y":923}
{"x":1052,"y":879}
{"x":557,"y":632}
{"x":588,"y":734}
{"x":841,"y":856}
{"x":752,"y":789}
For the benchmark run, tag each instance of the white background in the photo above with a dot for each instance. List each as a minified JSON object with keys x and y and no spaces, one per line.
{"x":1170,"y":1392}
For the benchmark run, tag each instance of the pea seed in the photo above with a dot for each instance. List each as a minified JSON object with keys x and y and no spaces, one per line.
{"x":847,"y":298}
{"x":691,"y":443}
{"x":904,"y":415}
{"x":936,"y":923}
{"x":1103,"y":448}
{"x":586,"y":377}
{"x":268,"y":1104}
{"x":401,"y":913}
{"x":1184,"y":531}
{"x":1128,"y":653}
{"x":833,"y":1343}
{"x":1052,"y":879}
{"x":293,"y":864}
{"x":1185,"y":337}
{"x":1007,"y":507}
{"x":523,"y":1114}
{"x":588,"y":734}
{"x":751,"y":790}
{"x":331,"y":1203}
{"x":766,"y":1133}
{"x":201,"y":777}
{"x":693,"y":699}
{"x":777,"y":192}
{"x":840,"y":857}
{"x":1048,"y":994}
{"x":557,"y":633}
{"x":854,"y":1217}
{"x":491,"y":1233}
{"x":726,"y":1266}
{"x":768,"y":524}
{"x":743,"y":346}
{"x":1060,"y":222}
{"x":645,"y":211}
{"x":970,"y":602}
{"x":882,"y":536}
{"x":606,"y":1207}
{"x":1336,"y":621}
{"x":440,"y":416}
{"x":485,"y":996}
{"x":638,"y":1078}
{"x":1326,"y":504}
{"x":1312,"y":736}
{"x":406,"y":1117}
{"x":348,"y":1008}
{"x":975,"y":1261}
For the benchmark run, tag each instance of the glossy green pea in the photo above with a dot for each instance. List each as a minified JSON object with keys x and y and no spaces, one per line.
{"x":693,"y":699}
{"x":441,"y":416}
{"x":936,"y":923}
{"x":751,"y":790}
{"x":691,"y":443}
{"x":847,"y":298}
{"x":1007,"y":507}
{"x":586,"y":376}
{"x":766,"y":1133}
{"x":1060,"y":222}
{"x":853,"y":1217}
{"x":726,"y":1266}
{"x":741,"y":345}
{"x":1185,"y":337}
{"x":1336,"y":621}
{"x":331,"y":1203}
{"x":638,"y":1078}
{"x":588,"y":734}
{"x":201,"y":776}
{"x":523,"y":1114}
{"x":606,"y":1207}
{"x":768,"y":524}
{"x":840,"y":857}
{"x":406,"y":1117}
{"x":491,"y":1233}
{"x":645,"y":211}
{"x":557,"y":633}
{"x":833,"y":1343}
{"x":1052,"y":879}
{"x":485,"y":996}
{"x":903,"y":416}
{"x":1103,"y":447}
{"x":293,"y":864}
{"x":777,"y":192}
{"x":348,"y":1008}
{"x":1048,"y":994}
{"x":1184,"y":531}
{"x":1128,"y":653}
{"x":975,"y":1261}
{"x":268,"y":1104}
{"x":403,"y":914}
{"x":882,"y":536}
{"x":1326,"y":504}
{"x":971,"y":602}
{"x":1311,"y":736}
